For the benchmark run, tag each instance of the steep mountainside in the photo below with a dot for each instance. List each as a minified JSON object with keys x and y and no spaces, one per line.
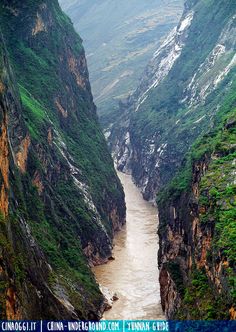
{"x":178,"y":96}
{"x":120,"y":37}
{"x":61,"y":201}
{"x":197,"y":254}
{"x":176,"y":136}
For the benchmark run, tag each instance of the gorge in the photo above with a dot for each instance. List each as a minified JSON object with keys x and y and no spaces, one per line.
{"x":174,"y":134}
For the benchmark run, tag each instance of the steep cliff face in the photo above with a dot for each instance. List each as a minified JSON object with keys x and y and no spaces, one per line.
{"x":60,"y":201}
{"x":178,"y":95}
{"x":197,"y":228}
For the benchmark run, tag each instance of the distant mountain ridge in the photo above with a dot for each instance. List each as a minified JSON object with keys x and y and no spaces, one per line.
{"x":119,"y":38}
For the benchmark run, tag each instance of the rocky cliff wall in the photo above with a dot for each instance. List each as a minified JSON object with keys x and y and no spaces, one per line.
{"x":61,"y":200}
{"x":197,"y":232}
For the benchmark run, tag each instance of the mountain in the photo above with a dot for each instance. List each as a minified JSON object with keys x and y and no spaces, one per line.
{"x":61,"y":200}
{"x":119,"y":38}
{"x":176,"y":136}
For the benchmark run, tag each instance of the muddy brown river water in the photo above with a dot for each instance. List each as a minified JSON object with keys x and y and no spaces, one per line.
{"x":133,"y":275}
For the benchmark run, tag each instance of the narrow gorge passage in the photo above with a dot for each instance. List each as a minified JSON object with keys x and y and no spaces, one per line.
{"x":133,"y":275}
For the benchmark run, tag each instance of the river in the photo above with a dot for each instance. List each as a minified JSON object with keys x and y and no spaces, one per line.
{"x":133,"y":275}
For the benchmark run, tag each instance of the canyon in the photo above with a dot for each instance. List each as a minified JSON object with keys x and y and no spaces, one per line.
{"x":172,"y":130}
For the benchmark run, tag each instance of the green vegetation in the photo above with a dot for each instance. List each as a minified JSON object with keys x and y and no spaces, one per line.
{"x":36,"y":68}
{"x":208,"y":142}
{"x":212,"y":145}
{"x":4,"y":245}
{"x":166,"y":116}
{"x":218,"y":199}
{"x":35,"y":115}
{"x":217,"y":206}
{"x":58,"y":241}
{"x":49,"y":68}
{"x":175,"y":272}
{"x":12,"y":258}
{"x":200,"y":301}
